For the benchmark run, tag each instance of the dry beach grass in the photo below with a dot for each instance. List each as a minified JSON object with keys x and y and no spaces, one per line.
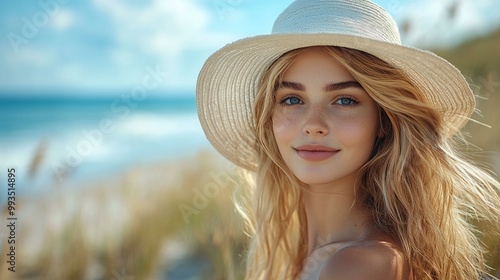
{"x":133,"y":226}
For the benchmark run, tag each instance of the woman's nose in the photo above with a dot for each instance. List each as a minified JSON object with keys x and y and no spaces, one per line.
{"x":315,"y":122}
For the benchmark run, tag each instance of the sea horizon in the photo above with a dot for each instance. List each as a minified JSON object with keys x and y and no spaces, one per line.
{"x":66,"y":139}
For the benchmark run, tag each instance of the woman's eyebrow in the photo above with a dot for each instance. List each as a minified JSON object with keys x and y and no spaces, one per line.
{"x":328,"y":87}
{"x":342,"y":85}
{"x":291,"y":85}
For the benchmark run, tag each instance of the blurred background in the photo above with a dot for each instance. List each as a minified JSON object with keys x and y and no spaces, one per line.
{"x":114,"y":176}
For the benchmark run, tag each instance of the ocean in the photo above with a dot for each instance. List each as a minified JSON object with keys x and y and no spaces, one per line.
{"x":64,"y":140}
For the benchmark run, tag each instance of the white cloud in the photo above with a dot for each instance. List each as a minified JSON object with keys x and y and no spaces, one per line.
{"x":63,"y":20}
{"x":165,"y":31}
{"x":432,"y":26}
{"x":478,"y":16}
{"x":33,"y":57}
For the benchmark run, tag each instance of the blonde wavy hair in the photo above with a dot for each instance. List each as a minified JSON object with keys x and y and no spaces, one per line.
{"x":418,"y":187}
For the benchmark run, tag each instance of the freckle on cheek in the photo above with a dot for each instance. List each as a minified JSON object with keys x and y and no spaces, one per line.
{"x":280,"y":124}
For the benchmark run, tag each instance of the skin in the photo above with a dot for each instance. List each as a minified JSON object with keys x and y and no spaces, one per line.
{"x":325,"y":126}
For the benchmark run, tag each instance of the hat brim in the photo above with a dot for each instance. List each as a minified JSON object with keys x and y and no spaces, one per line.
{"x":228,"y":80}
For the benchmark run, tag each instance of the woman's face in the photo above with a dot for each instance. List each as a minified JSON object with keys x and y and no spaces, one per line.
{"x":324,"y":122}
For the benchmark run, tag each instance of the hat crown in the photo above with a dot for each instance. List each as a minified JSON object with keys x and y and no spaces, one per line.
{"x":359,"y":18}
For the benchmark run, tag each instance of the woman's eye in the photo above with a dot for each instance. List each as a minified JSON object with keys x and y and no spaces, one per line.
{"x":346,"y":101}
{"x":291,"y":101}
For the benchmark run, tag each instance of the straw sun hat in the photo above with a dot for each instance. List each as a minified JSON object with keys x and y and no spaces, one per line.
{"x":227,"y":83}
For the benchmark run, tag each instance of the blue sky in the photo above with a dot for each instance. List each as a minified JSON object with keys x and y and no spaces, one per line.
{"x":100,"y":46}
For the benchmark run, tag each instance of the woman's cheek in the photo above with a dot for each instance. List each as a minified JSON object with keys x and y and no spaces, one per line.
{"x":282,"y":124}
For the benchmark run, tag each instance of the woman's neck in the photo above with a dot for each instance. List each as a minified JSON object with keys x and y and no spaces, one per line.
{"x":334,"y":218}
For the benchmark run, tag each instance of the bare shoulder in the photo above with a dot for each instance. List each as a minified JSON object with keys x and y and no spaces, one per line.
{"x":366,"y":260}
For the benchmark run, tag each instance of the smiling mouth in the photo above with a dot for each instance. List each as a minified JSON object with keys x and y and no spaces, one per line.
{"x":315,"y":152}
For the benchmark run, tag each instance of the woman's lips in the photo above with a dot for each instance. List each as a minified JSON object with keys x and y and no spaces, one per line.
{"x":315,"y":152}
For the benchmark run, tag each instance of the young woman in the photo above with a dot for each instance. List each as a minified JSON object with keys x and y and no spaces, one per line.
{"x":353,"y":142}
